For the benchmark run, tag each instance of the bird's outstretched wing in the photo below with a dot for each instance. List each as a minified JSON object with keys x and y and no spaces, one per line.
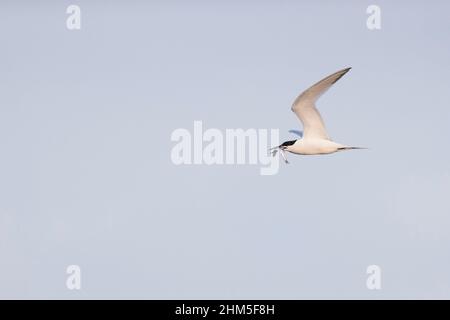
{"x":305,"y":109}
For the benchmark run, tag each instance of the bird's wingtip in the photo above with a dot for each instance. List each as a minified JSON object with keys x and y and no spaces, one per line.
{"x":338,"y":75}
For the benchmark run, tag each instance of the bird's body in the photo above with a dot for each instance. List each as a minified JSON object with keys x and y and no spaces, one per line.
{"x":314,"y":146}
{"x":315,"y":138}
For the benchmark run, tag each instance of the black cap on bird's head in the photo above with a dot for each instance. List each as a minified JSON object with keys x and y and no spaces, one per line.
{"x":285,"y":144}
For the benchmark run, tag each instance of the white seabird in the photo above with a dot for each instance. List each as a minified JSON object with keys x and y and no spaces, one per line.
{"x":315,"y":139}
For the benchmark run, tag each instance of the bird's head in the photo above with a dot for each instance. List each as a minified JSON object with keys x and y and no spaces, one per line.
{"x":282,"y":147}
{"x":286,"y":144}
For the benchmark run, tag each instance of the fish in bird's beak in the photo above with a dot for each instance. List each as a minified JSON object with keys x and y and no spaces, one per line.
{"x":283,"y":154}
{"x":274,"y":151}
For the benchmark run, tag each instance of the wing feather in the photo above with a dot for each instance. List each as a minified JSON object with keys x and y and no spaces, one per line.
{"x":305,"y":109}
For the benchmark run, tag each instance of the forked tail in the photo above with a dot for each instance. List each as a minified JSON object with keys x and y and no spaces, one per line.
{"x":351,"y":148}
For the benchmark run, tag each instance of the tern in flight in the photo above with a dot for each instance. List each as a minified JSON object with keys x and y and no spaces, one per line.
{"x":315,"y":139}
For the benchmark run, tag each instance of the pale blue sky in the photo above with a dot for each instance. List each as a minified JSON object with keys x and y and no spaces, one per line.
{"x":85,"y":170}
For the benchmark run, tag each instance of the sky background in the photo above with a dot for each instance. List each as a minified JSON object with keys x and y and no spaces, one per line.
{"x":86,"y":176}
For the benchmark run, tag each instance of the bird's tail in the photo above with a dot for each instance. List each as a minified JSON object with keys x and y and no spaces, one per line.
{"x":351,"y":148}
